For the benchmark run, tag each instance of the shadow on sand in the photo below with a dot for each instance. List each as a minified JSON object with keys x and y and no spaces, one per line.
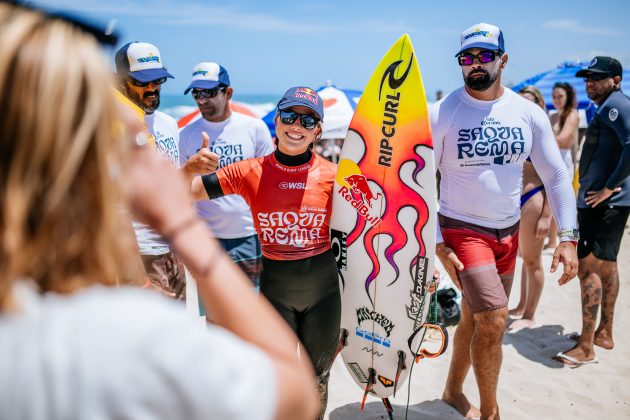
{"x":539,"y":344}
{"x":375,"y":410}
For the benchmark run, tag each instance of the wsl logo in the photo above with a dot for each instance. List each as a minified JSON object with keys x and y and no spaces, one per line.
{"x":491,"y":139}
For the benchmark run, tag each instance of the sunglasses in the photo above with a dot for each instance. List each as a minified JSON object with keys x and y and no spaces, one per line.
{"x":596,"y":77}
{"x":483,"y":57}
{"x":138,"y":83}
{"x":104,"y":35}
{"x":307,"y":120}
{"x":207,"y":93}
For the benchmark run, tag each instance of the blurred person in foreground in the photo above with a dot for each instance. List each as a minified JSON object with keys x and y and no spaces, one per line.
{"x":603,"y":207}
{"x":74,"y":345}
{"x":533,"y":228}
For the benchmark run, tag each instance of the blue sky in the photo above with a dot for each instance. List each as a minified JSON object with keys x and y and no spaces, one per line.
{"x":268,"y":46}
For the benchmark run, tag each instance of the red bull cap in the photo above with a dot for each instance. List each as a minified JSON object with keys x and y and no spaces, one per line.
{"x":303,"y":96}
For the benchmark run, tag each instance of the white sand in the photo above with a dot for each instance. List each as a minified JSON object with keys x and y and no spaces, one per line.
{"x":531,"y":385}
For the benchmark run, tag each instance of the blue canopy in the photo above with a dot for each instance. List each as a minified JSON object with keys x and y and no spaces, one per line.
{"x":565,"y":72}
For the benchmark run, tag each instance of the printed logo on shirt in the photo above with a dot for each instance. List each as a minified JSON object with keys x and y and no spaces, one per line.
{"x":292,"y":228}
{"x":167,"y":147}
{"x":292,"y":185}
{"x":613,"y":114}
{"x":228,"y":153}
{"x":492,"y":140}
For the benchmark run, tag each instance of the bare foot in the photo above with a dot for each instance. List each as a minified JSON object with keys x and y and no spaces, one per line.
{"x":518,"y":311}
{"x":602,"y":339}
{"x":461,"y":404}
{"x":522,"y":323}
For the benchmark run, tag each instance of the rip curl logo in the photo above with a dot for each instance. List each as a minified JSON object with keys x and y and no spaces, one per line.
{"x":503,"y":144}
{"x":200,"y":72}
{"x":292,"y":228}
{"x":364,"y":314}
{"x":390,"y":74}
{"x":149,"y":59}
{"x":613,"y":114}
{"x":479,"y":32}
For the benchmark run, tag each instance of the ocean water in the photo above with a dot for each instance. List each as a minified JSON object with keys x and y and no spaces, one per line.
{"x":179,"y":105}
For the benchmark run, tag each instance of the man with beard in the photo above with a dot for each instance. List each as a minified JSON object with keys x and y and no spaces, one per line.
{"x":141,"y":74}
{"x":482,"y":134}
{"x":234,"y":137}
{"x":603,"y":206}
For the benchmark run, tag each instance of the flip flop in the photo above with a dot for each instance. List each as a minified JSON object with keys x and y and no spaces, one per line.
{"x":575,"y":362}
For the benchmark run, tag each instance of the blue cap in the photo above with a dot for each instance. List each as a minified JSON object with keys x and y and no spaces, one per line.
{"x":208,"y":76}
{"x":482,"y":35}
{"x":303,"y":96}
{"x":141,"y":61}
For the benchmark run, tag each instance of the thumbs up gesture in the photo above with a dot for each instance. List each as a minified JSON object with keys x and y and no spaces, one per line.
{"x":204,"y":161}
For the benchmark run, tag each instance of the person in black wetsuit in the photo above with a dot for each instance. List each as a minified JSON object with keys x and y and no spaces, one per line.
{"x":290,"y":195}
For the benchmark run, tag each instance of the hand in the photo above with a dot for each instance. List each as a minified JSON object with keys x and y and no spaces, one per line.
{"x":433,"y":285}
{"x":156,"y":192}
{"x":566,"y":253}
{"x":542,"y":227}
{"x":593,"y":198}
{"x":451,"y":263}
{"x":204,"y":161}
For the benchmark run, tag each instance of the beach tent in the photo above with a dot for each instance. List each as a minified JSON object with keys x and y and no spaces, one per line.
{"x":565,"y":72}
{"x":339,"y":106}
{"x":240,"y":107}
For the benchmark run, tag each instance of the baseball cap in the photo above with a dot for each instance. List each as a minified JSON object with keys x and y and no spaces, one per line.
{"x":602,"y":65}
{"x":303,"y":96}
{"x":141,"y":61}
{"x":208,"y":76}
{"x":482,"y":35}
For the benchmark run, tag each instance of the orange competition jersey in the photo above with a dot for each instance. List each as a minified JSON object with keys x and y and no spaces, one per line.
{"x":291,"y":205}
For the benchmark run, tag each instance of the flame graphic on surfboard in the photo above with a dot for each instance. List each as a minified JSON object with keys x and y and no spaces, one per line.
{"x":379,"y":207}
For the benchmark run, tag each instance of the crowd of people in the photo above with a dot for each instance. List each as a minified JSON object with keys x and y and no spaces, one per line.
{"x":97,"y":208}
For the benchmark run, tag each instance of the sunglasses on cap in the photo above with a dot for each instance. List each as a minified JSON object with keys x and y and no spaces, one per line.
{"x":307,"y":120}
{"x":138,"y":83}
{"x":596,"y":77}
{"x":207,"y":93}
{"x":483,"y":57}
{"x":104,"y":35}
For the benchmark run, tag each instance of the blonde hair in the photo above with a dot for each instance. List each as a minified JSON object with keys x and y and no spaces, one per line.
{"x":59,"y":223}
{"x":536,"y":93}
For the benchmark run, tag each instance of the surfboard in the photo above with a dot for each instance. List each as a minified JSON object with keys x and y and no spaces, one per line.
{"x":383,"y":226}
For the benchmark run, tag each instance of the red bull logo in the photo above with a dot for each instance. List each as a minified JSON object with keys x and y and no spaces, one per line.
{"x":307,"y":93}
{"x":360,"y":196}
{"x":360,"y":186}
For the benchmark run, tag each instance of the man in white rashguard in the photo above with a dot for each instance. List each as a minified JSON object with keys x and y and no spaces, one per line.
{"x":141,"y":73}
{"x":234,"y":137}
{"x":482,"y":134}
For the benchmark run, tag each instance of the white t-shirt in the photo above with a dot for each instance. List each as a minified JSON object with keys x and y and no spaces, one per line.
{"x":106,"y":353}
{"x":238,"y":138}
{"x":166,"y":135}
{"x":480,"y":148}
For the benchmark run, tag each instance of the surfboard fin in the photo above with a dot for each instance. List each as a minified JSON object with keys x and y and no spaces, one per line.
{"x":368,"y":386}
{"x":343,"y":342}
{"x":389,"y":408}
{"x":401,"y":366}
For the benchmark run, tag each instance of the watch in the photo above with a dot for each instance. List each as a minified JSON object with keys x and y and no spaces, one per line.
{"x":572,"y":235}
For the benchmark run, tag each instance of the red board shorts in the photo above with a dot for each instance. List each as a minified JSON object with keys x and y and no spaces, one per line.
{"x":489,"y":258}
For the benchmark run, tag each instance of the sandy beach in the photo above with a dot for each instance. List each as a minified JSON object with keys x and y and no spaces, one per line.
{"x":531,"y":385}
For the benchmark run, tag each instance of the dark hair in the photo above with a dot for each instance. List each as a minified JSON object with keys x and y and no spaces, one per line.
{"x":571,"y":101}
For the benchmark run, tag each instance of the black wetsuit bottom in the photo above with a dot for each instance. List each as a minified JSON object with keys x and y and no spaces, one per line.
{"x":306,"y":294}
